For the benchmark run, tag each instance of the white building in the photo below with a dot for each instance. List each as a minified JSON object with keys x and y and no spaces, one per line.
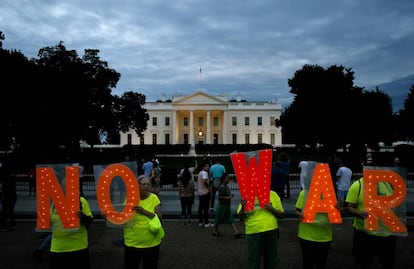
{"x":200,"y":118}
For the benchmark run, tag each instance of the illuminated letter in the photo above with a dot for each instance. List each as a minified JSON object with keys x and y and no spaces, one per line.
{"x":103,"y":195}
{"x":253,"y":176}
{"x":321,"y":197}
{"x":379,"y":206}
{"x":48,"y":187}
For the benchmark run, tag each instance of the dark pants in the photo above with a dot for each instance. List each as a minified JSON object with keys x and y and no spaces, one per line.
{"x":134,"y":256}
{"x":287,"y":183}
{"x":262,"y":246}
{"x":366,"y":247}
{"x":69,"y":260}
{"x":7,"y":213}
{"x":186,"y":205}
{"x":213,"y":194}
{"x":314,"y":254}
{"x":203,"y":204}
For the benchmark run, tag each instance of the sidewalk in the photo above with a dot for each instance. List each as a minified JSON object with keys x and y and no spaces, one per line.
{"x":26,"y":205}
{"x":189,"y":246}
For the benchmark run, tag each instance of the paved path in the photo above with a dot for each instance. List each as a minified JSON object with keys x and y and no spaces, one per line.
{"x":188,"y":246}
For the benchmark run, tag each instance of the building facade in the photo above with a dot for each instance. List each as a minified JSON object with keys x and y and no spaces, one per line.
{"x":200,"y":118}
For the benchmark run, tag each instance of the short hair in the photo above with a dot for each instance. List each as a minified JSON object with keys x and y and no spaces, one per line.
{"x":141,"y":177}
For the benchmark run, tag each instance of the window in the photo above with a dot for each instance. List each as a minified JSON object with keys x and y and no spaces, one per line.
{"x":185,"y":121}
{"x":154,"y":121}
{"x":200,"y":121}
{"x":246,"y":121}
{"x":129,"y":139}
{"x":272,"y":121}
{"x":234,"y":139}
{"x":259,"y":121}
{"x":272,"y":139}
{"x":215,"y":121}
{"x":259,"y":138}
{"x":234,"y":121}
{"x":154,"y":139}
{"x":215,"y":139}
{"x":246,"y":139}
{"x":186,"y":139}
{"x":167,"y":139}
{"x":167,"y":121}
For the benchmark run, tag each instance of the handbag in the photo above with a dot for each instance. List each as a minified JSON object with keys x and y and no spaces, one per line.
{"x":155,"y":226}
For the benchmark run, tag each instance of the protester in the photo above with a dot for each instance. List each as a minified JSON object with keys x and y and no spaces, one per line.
{"x":303,"y":173}
{"x":8,"y":196}
{"x":368,"y":245}
{"x":343,"y":182}
{"x":142,"y":243}
{"x":147,"y":166}
{"x":155,"y":176}
{"x":70,"y":248}
{"x":32,"y":181}
{"x":334,"y":164}
{"x":284,"y":163}
{"x":262,"y":231}
{"x":278,"y":180}
{"x":216,"y":174}
{"x":224,"y":215}
{"x":203,"y":196}
{"x":314,"y":238}
{"x":186,"y":193}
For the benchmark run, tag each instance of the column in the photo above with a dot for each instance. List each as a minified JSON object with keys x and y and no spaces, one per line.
{"x":192,"y":129}
{"x":175,"y":128}
{"x":208,"y":138}
{"x":224,"y":128}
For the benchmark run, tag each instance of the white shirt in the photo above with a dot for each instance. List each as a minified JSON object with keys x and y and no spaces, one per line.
{"x":344,"y":181}
{"x":302,"y":165}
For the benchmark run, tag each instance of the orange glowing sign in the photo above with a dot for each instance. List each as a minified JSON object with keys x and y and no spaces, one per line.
{"x":103,"y":195}
{"x":321,"y":197}
{"x":48,"y":187}
{"x":383,"y":191}
{"x":253,"y":170}
{"x":67,"y":203}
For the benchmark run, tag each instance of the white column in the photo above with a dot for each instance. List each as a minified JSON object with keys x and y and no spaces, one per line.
{"x":192,"y":142}
{"x":208,"y":138}
{"x":174,"y":128}
{"x":224,"y":128}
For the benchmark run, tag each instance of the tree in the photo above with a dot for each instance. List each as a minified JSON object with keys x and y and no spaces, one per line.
{"x":406,"y":116}
{"x":130,"y":113}
{"x":318,"y":93}
{"x":60,"y":99}
{"x":15,"y":70}
{"x":79,"y":95}
{"x":329,"y":111}
{"x":1,"y":39}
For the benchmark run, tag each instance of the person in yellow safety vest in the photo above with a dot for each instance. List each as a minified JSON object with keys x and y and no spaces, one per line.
{"x":143,"y":234}
{"x":262,"y":231}
{"x":70,"y":247}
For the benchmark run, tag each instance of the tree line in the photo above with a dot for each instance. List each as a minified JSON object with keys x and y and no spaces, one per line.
{"x":329,"y":111}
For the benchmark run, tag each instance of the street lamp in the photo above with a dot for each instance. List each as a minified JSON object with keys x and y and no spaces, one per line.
{"x":200,"y":133}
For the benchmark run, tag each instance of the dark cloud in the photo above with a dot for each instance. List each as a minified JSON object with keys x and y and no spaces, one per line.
{"x":246,"y":47}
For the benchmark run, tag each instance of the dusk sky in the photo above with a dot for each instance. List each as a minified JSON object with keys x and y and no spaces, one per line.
{"x":246,"y":47}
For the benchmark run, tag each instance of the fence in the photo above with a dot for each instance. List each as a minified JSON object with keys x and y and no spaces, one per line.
{"x":88,"y":182}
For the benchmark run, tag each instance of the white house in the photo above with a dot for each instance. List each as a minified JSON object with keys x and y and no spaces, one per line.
{"x":201,"y":118}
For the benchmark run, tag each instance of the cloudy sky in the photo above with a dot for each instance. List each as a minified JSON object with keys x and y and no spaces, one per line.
{"x":247,"y":47}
